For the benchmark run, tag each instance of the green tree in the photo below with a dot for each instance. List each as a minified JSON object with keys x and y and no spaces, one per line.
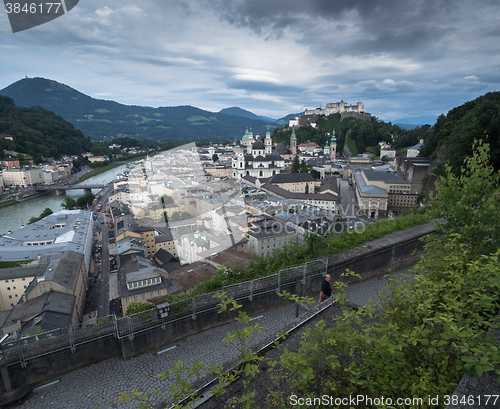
{"x":304,"y":167}
{"x":33,"y":219}
{"x":99,"y":150}
{"x":166,"y":199}
{"x":470,"y":203}
{"x":88,"y":197}
{"x":45,"y":213}
{"x":79,"y":162}
{"x":69,"y":203}
{"x":81,"y":202}
{"x":315,"y":174}
{"x":48,"y":211}
{"x":215,"y":157}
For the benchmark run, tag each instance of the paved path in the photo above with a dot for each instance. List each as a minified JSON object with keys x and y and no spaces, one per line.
{"x":359,"y":293}
{"x":98,"y":386}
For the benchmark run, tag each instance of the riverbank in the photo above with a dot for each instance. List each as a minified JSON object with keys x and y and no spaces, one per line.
{"x":98,"y":171}
{"x":7,"y":203}
{"x":113,"y":165}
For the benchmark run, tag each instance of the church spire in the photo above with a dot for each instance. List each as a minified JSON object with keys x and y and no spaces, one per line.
{"x":293,"y":143}
{"x":268,"y":143}
{"x":333,"y":146}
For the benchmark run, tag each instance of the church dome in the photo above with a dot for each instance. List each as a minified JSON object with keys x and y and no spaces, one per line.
{"x":245,"y":137}
{"x":334,"y":138}
{"x":258,"y":145}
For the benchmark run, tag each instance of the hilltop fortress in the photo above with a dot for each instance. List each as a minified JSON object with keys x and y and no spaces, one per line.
{"x":346,"y":111}
{"x":334,"y":108}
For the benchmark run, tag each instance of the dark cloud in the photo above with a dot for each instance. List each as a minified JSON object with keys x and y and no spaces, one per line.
{"x":264,"y":15}
{"x":376,"y":27}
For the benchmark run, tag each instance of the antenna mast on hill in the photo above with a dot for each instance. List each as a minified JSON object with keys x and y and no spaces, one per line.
{"x":26,"y":75}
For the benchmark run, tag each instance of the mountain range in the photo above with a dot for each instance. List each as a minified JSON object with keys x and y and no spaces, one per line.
{"x":100,"y":119}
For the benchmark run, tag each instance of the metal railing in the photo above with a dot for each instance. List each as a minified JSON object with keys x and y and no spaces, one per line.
{"x":129,"y":326}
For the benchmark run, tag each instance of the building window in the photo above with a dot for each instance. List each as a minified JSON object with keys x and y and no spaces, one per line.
{"x":152,"y":294}
{"x":127,"y":299}
{"x":24,"y":279}
{"x":8,"y":288}
{"x":136,"y":298}
{"x":10,"y":297}
{"x":143,"y":296}
{"x":159,"y":292}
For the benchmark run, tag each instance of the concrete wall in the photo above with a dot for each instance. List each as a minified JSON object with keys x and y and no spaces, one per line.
{"x":47,"y":367}
{"x":395,"y":251}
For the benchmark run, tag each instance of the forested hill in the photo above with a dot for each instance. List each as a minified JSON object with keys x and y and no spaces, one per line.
{"x":38,"y":132}
{"x":477,"y":119}
{"x":101,"y":119}
{"x":361,"y":136}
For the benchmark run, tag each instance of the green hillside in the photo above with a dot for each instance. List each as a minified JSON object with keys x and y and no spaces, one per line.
{"x":38,"y":132}
{"x":365,"y":135}
{"x":477,"y":119}
{"x":99,"y":118}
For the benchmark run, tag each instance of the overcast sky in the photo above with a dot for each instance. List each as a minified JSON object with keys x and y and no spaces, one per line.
{"x":272,"y":57}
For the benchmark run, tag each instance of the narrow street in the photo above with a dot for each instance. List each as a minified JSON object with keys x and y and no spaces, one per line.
{"x":347,"y":199}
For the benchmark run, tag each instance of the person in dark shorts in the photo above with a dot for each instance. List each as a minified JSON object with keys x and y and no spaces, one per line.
{"x":326,"y":289}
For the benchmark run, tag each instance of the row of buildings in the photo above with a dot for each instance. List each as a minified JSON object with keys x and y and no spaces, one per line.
{"x":46,"y":287}
{"x":13,"y":175}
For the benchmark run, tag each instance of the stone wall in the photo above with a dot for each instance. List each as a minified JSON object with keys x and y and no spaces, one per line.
{"x":359,"y":115}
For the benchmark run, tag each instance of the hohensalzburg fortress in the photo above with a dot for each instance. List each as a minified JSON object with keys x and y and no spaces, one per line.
{"x":334,"y":108}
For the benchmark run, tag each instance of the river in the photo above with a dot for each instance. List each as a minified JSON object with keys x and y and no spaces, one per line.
{"x":12,"y":217}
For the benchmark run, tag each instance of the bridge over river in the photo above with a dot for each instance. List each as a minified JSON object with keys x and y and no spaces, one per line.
{"x":61,"y":189}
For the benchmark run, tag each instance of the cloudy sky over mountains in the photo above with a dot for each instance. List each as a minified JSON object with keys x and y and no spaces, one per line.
{"x":273,"y":57}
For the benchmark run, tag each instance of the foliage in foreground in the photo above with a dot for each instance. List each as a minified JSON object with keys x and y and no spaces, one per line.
{"x":470,"y":203}
{"x":418,"y":342}
{"x":426,"y":332}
